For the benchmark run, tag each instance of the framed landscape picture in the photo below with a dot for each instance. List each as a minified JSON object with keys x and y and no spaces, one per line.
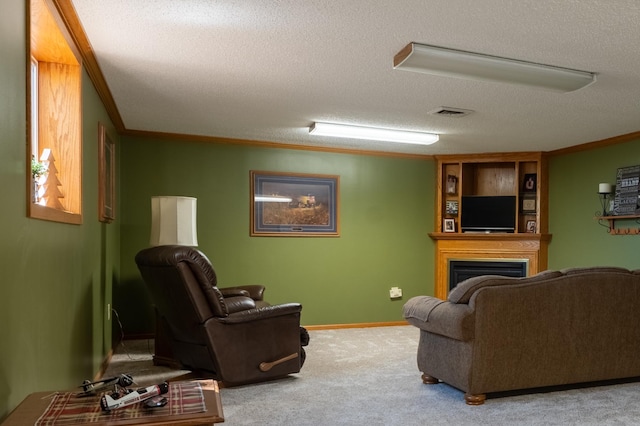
{"x":294,"y":204}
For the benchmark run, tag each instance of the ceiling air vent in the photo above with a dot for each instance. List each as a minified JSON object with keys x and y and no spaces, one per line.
{"x":450,"y":112}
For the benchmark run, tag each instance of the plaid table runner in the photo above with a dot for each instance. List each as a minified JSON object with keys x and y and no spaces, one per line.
{"x":68,"y":409}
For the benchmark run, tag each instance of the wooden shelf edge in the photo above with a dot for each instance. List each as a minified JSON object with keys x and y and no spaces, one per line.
{"x":631,"y":216}
{"x":494,"y":236}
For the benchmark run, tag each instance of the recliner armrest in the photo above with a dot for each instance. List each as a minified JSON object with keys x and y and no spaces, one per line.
{"x":239,"y":303}
{"x":261,"y":313}
{"x":233,"y":292}
{"x":256,"y":291}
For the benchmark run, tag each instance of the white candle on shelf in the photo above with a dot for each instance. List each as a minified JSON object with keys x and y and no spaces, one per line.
{"x":604,"y":188}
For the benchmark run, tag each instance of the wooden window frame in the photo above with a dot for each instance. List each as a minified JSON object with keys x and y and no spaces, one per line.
{"x":59,"y":114}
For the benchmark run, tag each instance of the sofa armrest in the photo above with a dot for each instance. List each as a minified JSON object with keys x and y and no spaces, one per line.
{"x":434,"y":315}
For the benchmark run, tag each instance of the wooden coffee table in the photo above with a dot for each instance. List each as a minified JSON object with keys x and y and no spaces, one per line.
{"x":29,"y":410}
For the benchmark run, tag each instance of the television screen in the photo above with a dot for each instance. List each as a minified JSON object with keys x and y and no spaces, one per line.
{"x":488,"y":213}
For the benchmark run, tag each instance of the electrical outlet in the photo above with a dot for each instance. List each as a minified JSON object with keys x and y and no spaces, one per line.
{"x":395,"y":293}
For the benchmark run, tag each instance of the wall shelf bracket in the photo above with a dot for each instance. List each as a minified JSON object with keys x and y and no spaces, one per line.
{"x":609,"y":222}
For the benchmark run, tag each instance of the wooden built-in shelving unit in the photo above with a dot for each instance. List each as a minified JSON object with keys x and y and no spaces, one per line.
{"x":491,"y":175}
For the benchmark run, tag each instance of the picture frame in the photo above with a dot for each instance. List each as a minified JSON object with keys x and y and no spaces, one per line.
{"x":452,"y":184}
{"x":106,"y":176}
{"x":451,"y":207}
{"x":528,"y":205}
{"x":530,"y":182}
{"x":627,"y":191}
{"x":449,"y":225}
{"x":531,"y":227}
{"x":294,"y":204}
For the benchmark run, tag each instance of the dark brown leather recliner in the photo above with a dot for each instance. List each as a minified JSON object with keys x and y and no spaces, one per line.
{"x":220,"y":332}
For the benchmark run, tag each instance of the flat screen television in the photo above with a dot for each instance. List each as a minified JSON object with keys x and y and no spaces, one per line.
{"x":488,"y":213}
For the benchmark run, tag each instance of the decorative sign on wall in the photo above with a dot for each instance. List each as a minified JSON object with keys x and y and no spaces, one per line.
{"x":627,"y":191}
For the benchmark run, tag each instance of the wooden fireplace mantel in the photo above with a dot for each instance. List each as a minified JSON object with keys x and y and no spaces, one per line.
{"x":460,"y":246}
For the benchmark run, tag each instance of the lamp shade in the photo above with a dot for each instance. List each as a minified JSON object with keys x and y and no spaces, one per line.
{"x":605,"y":188}
{"x":173,"y":221}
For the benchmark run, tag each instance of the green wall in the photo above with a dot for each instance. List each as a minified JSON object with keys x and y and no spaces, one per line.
{"x":578,"y":240}
{"x":56,"y":278}
{"x":386,"y":211}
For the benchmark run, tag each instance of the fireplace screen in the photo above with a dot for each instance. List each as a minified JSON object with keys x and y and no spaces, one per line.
{"x":460,"y":270}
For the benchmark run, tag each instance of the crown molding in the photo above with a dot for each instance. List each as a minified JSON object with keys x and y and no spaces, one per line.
{"x":72,"y":22}
{"x":603,"y":143}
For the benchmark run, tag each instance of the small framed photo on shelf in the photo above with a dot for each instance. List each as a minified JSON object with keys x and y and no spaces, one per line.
{"x":531,"y":226}
{"x":530,"y":182}
{"x":528,"y":205}
{"x":449,"y":225}
{"x":452,"y":184}
{"x":451,"y":207}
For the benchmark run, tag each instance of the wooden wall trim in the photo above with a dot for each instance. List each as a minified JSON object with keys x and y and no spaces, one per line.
{"x":267,"y":144}
{"x":596,"y":144}
{"x":151,"y":336}
{"x":355,"y":325}
{"x":103,"y":366}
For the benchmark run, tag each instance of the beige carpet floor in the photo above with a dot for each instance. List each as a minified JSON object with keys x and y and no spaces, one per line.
{"x":368,"y":376}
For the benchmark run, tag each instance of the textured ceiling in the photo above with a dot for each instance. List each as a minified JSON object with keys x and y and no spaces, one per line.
{"x":265,"y":70}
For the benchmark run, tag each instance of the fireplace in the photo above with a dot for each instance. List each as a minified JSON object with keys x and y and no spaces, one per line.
{"x":460,"y":270}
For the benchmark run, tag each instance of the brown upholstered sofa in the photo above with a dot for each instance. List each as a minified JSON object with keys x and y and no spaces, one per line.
{"x":496,"y":334}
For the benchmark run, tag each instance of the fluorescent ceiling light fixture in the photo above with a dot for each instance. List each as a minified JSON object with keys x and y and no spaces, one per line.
{"x":372,"y":133}
{"x":475,"y":66}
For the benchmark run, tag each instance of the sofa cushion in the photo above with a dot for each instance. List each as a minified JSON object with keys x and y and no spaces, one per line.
{"x":463,"y":291}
